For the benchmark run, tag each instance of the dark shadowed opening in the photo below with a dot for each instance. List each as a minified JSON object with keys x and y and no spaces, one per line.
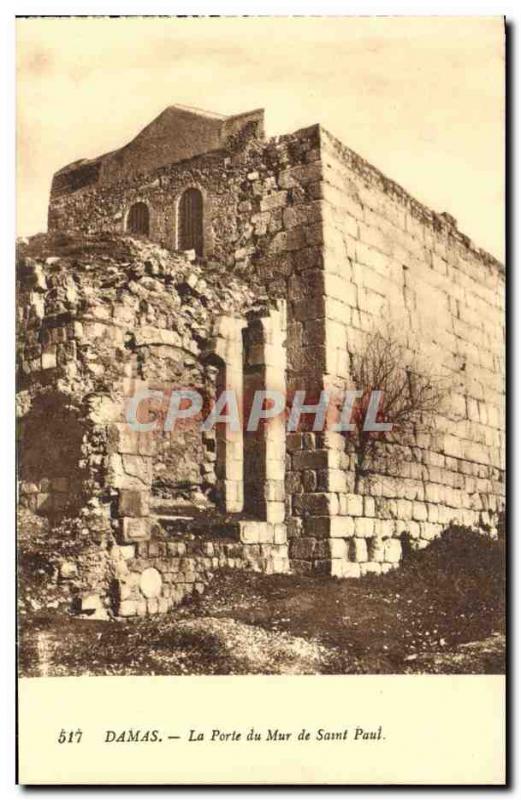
{"x":139,"y":219}
{"x":191,"y":221}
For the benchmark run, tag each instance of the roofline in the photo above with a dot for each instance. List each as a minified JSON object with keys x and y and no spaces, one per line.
{"x":415,"y":206}
{"x":189,"y":109}
{"x":194,"y":110}
{"x":246,"y":113}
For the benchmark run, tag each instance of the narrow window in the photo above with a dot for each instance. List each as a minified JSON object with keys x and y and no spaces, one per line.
{"x":191,"y":221}
{"x":139,"y":219}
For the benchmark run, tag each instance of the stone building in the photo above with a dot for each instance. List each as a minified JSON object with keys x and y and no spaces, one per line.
{"x":204,"y":255}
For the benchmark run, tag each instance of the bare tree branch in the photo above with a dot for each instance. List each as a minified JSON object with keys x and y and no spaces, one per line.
{"x":411,"y":397}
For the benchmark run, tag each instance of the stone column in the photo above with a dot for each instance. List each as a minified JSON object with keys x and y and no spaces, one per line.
{"x":265,"y":448}
{"x":130,"y":461}
{"x":230,"y":443}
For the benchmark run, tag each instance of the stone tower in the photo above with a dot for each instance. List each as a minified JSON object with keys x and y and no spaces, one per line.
{"x":264,"y":264}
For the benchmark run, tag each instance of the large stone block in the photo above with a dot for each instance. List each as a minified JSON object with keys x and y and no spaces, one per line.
{"x":377,"y":549}
{"x":364,"y":526}
{"x":135,"y":529}
{"x":150,"y":582}
{"x":310,"y":459}
{"x":351,"y":570}
{"x":404,"y":509}
{"x":318,"y":527}
{"x":354,"y":505}
{"x":336,"y":480}
{"x":429,"y":530}
{"x":419,"y":511}
{"x":273,"y":201}
{"x":341,"y":527}
{"x":127,"y":608}
{"x":338,"y":548}
{"x":370,"y":568}
{"x":266,"y":533}
{"x":392,"y":551}
{"x":275,"y":512}
{"x":274,"y":491}
{"x":91,"y":604}
{"x":133,"y":503}
{"x":318,"y":504}
{"x":130,"y":471}
{"x":280,"y":535}
{"x":250,"y":532}
{"x":385,"y":527}
{"x":304,"y":548}
{"x":432,"y":492}
{"x":357,"y":550}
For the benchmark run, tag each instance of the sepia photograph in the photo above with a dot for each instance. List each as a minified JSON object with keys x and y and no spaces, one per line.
{"x":261,"y":399}
{"x":261,"y":393}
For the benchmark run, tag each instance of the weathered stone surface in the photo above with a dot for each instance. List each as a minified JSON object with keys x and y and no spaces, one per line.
{"x":364,"y":526}
{"x":128,"y":608}
{"x":357,"y":550}
{"x":338,"y":548}
{"x":150,"y":583}
{"x":305,"y":247}
{"x":343,"y":527}
{"x":91,"y":602}
{"x":370,"y":568}
{"x":134,"y":529}
{"x":392,"y":551}
{"x":133,"y":503}
{"x":354,"y":505}
{"x":68,"y":570}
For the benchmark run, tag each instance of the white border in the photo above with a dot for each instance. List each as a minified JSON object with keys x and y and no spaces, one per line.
{"x":7,"y":222}
{"x":264,"y":8}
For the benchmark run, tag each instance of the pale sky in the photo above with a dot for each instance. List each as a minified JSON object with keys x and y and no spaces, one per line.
{"x":420,"y":98}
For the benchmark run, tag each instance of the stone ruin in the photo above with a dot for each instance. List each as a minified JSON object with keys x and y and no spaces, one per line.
{"x":202,"y":255}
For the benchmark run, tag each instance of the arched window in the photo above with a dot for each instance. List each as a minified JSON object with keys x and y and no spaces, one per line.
{"x":191,"y":221}
{"x":138,"y":220}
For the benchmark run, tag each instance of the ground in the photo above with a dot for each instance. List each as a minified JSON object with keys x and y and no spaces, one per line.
{"x":441,"y":612}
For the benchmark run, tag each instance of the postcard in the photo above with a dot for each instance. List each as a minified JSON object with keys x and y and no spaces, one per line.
{"x":261,"y":400}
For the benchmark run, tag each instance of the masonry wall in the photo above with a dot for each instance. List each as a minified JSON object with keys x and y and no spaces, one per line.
{"x":100,"y":319}
{"x":389,"y":259}
{"x":177,"y":134}
{"x":89,"y":321}
{"x":261,"y":206}
{"x":262,"y":221}
{"x":303,"y":219}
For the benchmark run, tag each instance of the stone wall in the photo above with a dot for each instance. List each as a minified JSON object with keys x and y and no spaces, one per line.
{"x":302,"y":220}
{"x":262,"y":222}
{"x":177,"y":134}
{"x":261,"y":207}
{"x":95,"y":326}
{"x":99,"y":320}
{"x":156,"y":574}
{"x":389,"y":259}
